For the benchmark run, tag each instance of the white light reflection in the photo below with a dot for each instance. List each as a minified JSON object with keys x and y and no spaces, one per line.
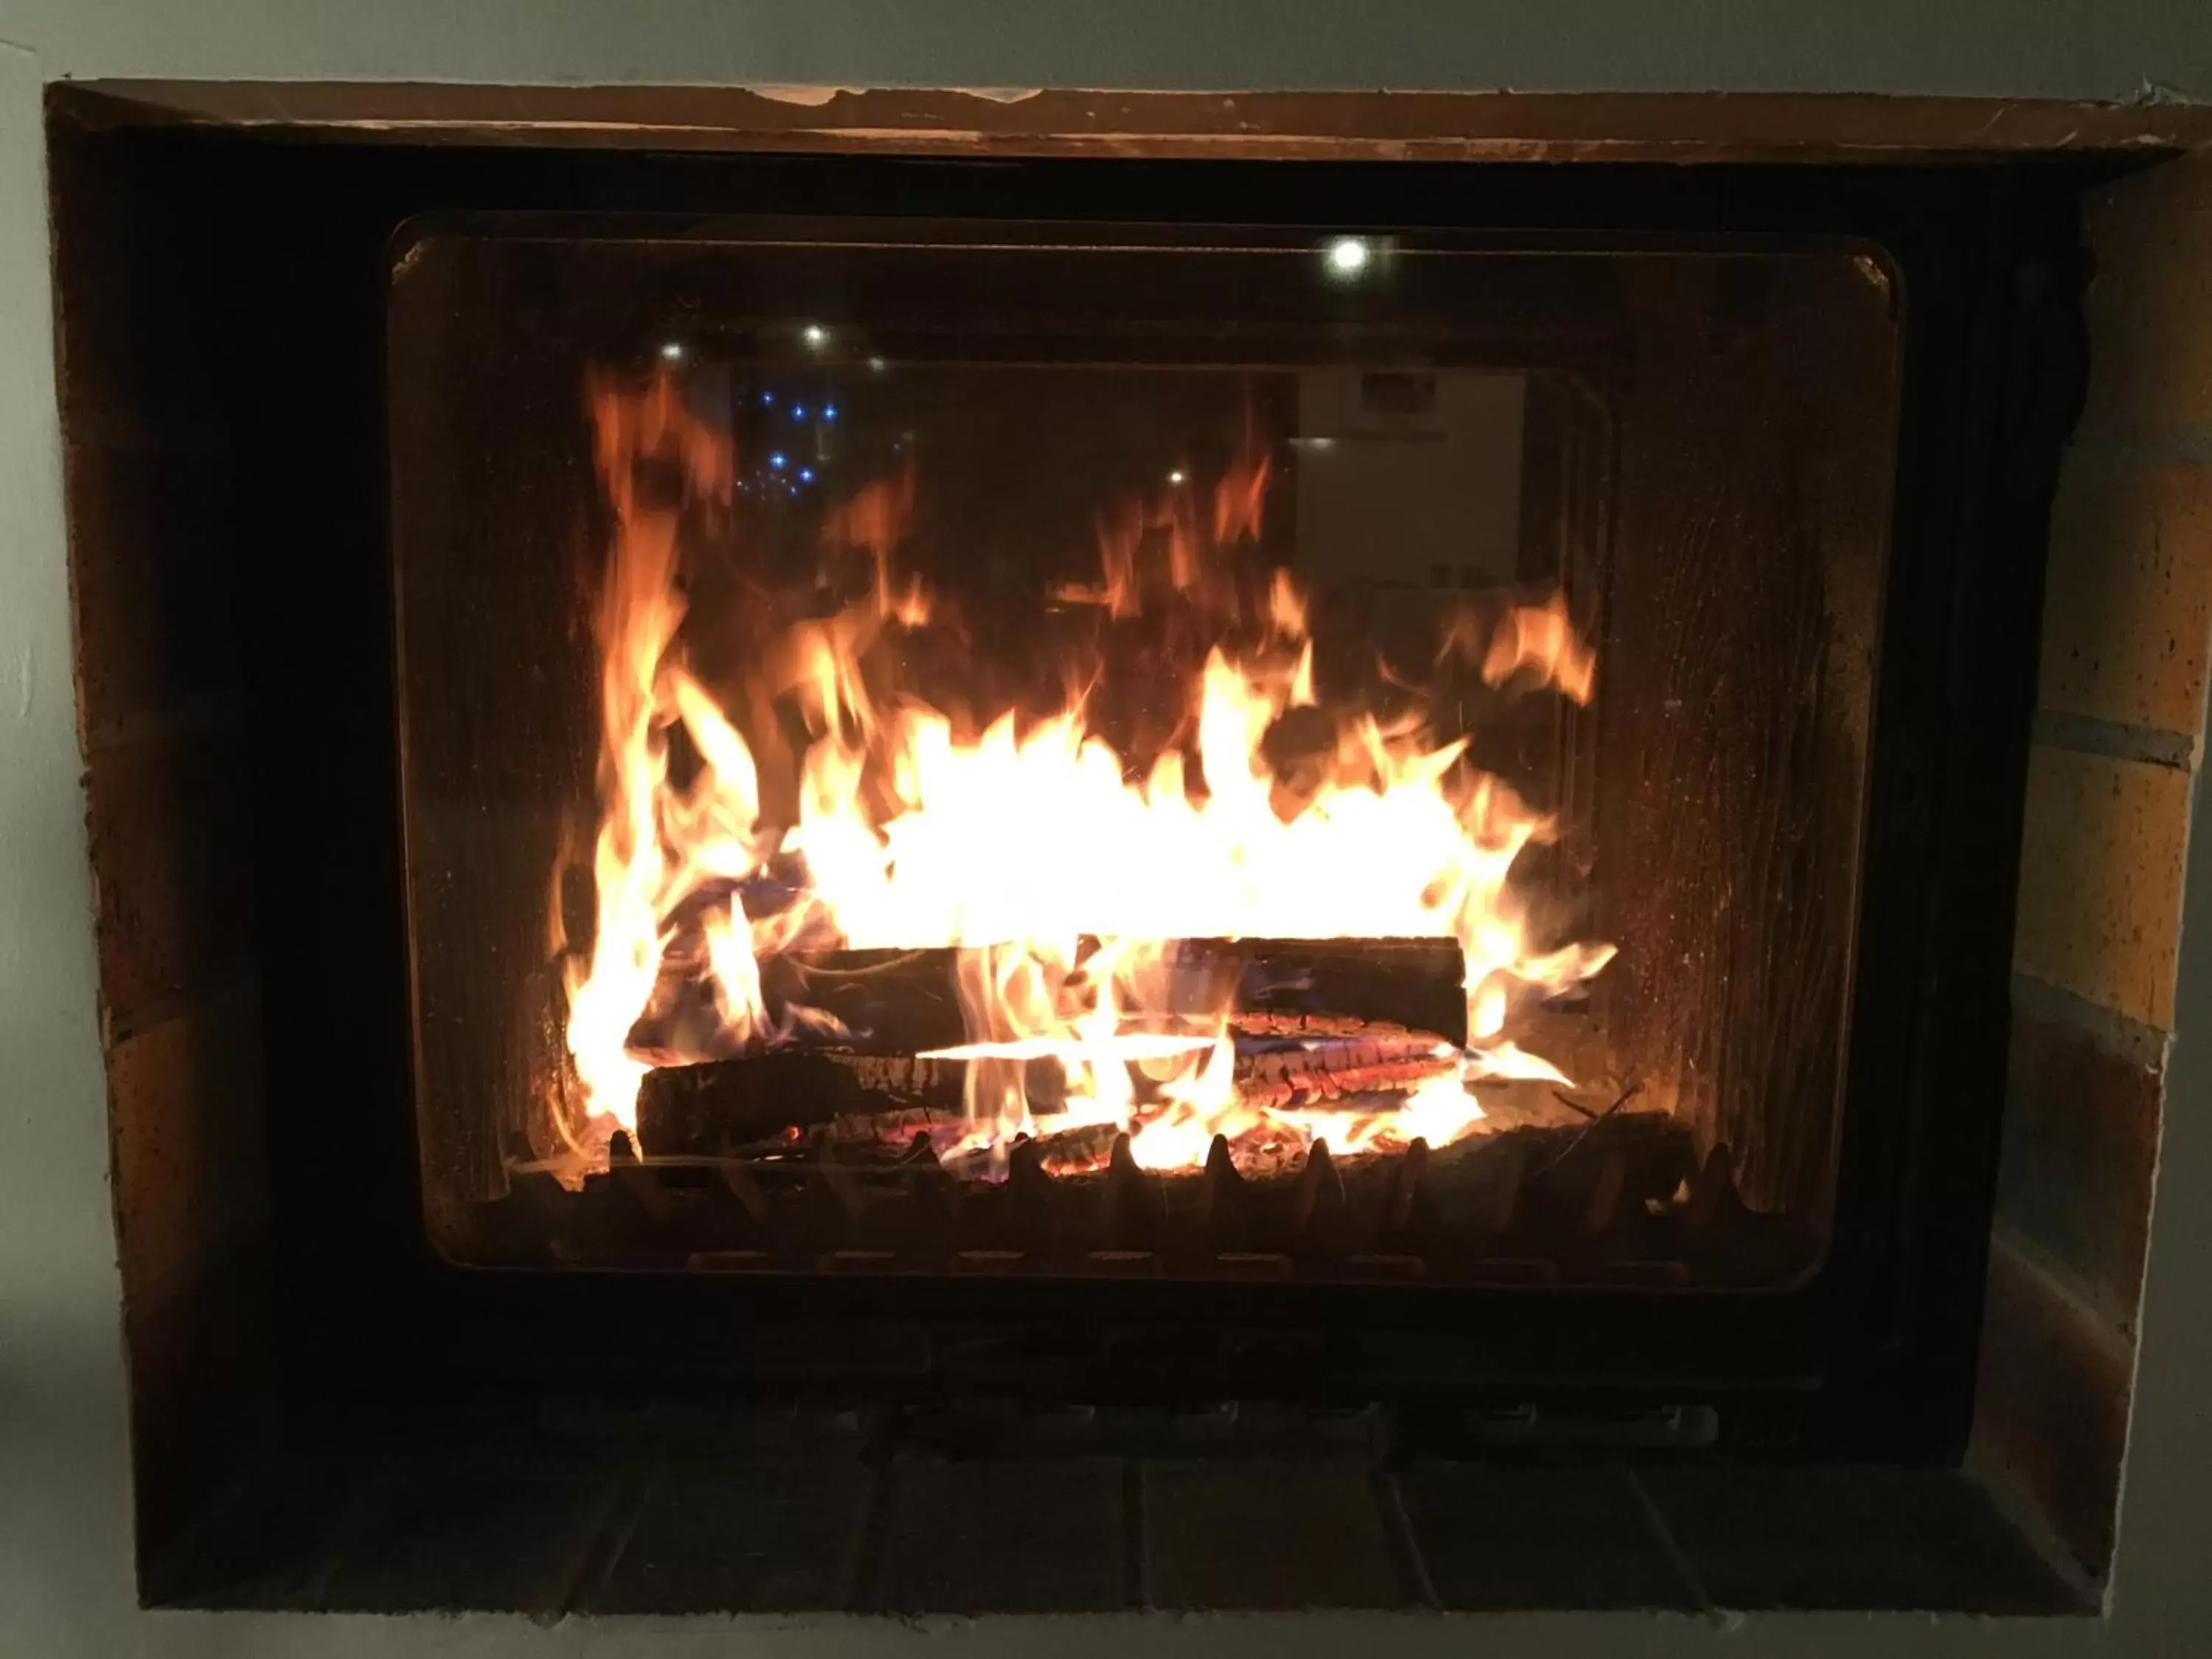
{"x":1348,"y":255}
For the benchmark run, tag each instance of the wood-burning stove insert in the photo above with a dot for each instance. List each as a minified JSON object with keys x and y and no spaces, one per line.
{"x":940,"y":747}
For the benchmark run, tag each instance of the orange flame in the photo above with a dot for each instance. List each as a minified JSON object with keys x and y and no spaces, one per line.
{"x":1033,"y":846}
{"x":1539,"y":639}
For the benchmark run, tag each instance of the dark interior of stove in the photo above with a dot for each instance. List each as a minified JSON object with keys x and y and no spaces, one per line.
{"x":1697,"y":1354}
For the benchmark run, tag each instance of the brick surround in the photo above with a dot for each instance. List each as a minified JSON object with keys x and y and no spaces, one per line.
{"x":2120,"y":731}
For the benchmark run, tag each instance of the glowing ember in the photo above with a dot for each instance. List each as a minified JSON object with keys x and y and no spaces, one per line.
{"x":1060,"y":868}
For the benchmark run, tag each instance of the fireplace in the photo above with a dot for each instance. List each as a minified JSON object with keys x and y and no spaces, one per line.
{"x":1063,"y":815}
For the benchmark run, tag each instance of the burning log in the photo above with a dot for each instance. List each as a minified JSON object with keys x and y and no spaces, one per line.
{"x":897,"y":1128}
{"x":870,"y":1002}
{"x":1413,"y":983}
{"x":906,"y":1002}
{"x":1321,"y":1070}
{"x":1317,"y":1021}
{"x":1077,"y":1150}
{"x":720,"y":1106}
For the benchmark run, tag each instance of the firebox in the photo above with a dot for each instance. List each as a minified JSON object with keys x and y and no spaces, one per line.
{"x":1124,"y":809}
{"x":950,"y":747}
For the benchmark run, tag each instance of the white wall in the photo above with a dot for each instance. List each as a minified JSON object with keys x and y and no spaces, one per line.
{"x":63,"y":1480}
{"x":2094,"y":48}
{"x":64,"y":1551}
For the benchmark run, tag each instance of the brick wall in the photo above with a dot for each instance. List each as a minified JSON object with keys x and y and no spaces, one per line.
{"x":154,"y":485}
{"x":2119,"y":735}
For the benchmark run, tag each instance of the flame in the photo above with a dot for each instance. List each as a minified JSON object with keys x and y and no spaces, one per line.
{"x":1060,"y":868}
{"x":1539,"y":639}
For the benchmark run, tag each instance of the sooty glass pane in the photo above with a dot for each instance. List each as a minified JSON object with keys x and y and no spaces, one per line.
{"x":938,"y":748}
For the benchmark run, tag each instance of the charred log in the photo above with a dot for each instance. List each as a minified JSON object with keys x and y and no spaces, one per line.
{"x":1416,"y":983}
{"x":906,"y":1002}
{"x":868,"y":1002}
{"x":722,"y":1106}
{"x":1317,"y":1021}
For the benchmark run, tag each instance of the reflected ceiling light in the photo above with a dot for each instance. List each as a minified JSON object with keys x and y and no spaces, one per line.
{"x":1347,"y":256}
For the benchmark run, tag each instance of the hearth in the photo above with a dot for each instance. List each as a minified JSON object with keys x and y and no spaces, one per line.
{"x":1093,"y":812}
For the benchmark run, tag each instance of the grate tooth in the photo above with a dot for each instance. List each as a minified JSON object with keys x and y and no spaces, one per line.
{"x":1135,"y":1208}
{"x":1721,"y":1236}
{"x":1030,"y":1199}
{"x":930,"y":1217}
{"x":1317,"y":1205}
{"x":923,"y":1167}
{"x":638,"y":1182}
{"x":747,"y":1191}
{"x":844,"y":1186}
{"x":1601,"y":1203}
{"x":1409,"y":1178}
{"x":834,"y":1212}
{"x":1501,"y":1200}
{"x":1222,"y":1202}
{"x":1713,"y":1195}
